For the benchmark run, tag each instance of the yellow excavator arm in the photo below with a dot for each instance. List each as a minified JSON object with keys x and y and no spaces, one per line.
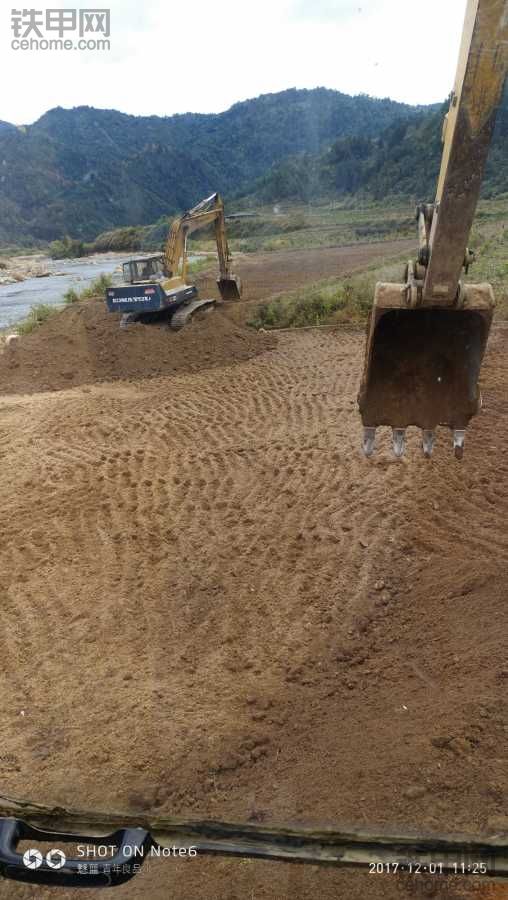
{"x":468,"y":131}
{"x":210,"y":210}
{"x":427,"y":337}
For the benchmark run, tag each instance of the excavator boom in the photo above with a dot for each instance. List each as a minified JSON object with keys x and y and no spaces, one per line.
{"x":427,"y":337}
{"x":205,"y":213}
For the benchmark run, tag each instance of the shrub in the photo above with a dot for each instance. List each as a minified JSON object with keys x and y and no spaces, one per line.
{"x":95,"y":289}
{"x":324,"y":303}
{"x":38,"y":314}
{"x":67,"y":248}
{"x":71,"y":296}
{"x":119,"y":239}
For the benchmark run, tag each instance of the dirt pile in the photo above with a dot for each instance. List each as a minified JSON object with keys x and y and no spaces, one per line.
{"x":84,"y":344}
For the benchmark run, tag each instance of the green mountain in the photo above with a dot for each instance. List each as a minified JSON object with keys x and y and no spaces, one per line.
{"x":403,"y":160}
{"x":85,"y":170}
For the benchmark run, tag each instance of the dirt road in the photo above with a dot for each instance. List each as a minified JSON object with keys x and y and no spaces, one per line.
{"x":213,"y":605}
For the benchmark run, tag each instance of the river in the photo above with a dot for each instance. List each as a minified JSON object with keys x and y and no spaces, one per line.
{"x":16,"y":299}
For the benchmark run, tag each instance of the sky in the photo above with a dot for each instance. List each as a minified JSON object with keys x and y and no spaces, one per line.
{"x":168,"y":57}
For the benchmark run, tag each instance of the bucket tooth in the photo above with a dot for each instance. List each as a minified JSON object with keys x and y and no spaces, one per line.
{"x":428,"y":441}
{"x":459,"y":436}
{"x":369,"y":440}
{"x":398,"y":439}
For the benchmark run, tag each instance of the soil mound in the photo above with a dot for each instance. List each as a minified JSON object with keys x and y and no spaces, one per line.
{"x":84,"y":344}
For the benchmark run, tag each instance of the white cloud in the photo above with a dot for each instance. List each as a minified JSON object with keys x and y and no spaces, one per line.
{"x":174,"y":57}
{"x":327,"y":10}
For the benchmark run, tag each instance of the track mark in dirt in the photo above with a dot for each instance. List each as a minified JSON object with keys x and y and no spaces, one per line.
{"x":214,"y":605}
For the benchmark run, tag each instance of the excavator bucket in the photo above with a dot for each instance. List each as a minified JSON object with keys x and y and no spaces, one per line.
{"x":230,"y":287}
{"x":422,"y":365}
{"x":427,"y":337}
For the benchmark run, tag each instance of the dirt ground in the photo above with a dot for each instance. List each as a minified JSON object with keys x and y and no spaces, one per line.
{"x":214,"y":606}
{"x":265,"y":274}
{"x":83,"y":346}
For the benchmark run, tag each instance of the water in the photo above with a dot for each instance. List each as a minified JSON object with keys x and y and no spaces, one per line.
{"x":16,"y":299}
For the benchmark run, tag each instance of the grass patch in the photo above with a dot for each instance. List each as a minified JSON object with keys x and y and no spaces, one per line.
{"x":501,"y":295}
{"x":38,"y":314}
{"x":95,"y":289}
{"x":348,"y":300}
{"x":317,"y":305}
{"x":489,"y":240}
{"x":303,"y":226}
{"x":195,"y":266}
{"x":331,"y":302}
{"x":41,"y":312}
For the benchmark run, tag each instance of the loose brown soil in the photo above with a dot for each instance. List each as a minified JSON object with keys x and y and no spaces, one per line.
{"x":84,"y":345}
{"x":213,"y":605}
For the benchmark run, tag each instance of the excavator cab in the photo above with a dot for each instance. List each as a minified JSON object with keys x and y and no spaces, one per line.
{"x":427,"y":336}
{"x":148,"y":268}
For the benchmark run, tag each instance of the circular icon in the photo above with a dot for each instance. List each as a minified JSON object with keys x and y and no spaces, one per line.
{"x":32,"y":859}
{"x":55,"y":859}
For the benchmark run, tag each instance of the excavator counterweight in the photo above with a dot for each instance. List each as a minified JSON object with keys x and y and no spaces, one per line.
{"x":427,"y":336}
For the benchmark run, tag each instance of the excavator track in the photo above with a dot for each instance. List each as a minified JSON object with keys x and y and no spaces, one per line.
{"x":187,"y":310}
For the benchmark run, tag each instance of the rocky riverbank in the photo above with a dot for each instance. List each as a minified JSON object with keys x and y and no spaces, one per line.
{"x":19,"y":268}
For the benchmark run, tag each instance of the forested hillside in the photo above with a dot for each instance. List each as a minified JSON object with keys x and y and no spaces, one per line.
{"x":83,"y":170}
{"x":403,"y":160}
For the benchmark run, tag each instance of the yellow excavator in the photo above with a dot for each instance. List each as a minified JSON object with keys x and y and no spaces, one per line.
{"x":155,"y":285}
{"x":427,"y":336}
